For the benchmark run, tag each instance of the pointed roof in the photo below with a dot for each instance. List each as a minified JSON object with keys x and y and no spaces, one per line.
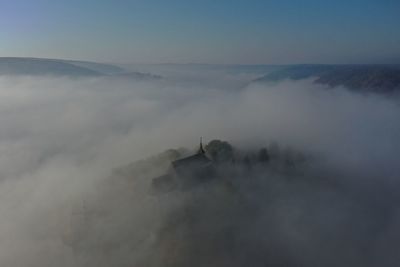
{"x":195,"y":166}
{"x":201,"y":149}
{"x":194,"y":162}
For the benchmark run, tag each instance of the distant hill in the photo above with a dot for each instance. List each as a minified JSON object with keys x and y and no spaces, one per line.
{"x":138,"y":76}
{"x":71,"y":68}
{"x":369,"y":78}
{"x":36,"y":66}
{"x":99,"y":67}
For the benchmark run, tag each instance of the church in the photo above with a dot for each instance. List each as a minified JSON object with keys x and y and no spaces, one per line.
{"x":186,"y":172}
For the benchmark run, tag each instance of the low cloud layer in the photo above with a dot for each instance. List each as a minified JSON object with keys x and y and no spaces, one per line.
{"x":61,"y":138}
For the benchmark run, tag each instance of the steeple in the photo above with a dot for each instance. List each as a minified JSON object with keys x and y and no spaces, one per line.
{"x":201,"y":149}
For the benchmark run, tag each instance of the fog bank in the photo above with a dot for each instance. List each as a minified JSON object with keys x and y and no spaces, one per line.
{"x":62,"y":205}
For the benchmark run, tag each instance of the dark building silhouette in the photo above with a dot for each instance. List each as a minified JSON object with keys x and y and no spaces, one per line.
{"x":186,"y":172}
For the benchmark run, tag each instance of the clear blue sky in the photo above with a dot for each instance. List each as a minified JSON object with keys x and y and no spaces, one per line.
{"x":203,"y":31}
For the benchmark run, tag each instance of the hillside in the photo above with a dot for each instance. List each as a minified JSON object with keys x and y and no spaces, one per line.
{"x":36,"y":66}
{"x":71,"y":68}
{"x":99,"y":67}
{"x":367,"y":78}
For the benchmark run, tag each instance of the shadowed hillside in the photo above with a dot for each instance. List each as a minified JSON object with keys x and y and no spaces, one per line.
{"x":71,"y":68}
{"x":35,"y":66}
{"x":383,"y":79}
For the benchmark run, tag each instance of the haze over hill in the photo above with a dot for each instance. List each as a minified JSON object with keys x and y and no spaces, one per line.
{"x":36,"y":66}
{"x":191,"y":133}
{"x":58,"y":67}
{"x":78,"y":159}
{"x":383,"y":79}
{"x":379,"y":78}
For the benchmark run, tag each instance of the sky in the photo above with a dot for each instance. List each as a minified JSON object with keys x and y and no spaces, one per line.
{"x":218,"y":32}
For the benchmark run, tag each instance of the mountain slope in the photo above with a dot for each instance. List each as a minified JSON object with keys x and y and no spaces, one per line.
{"x":140,"y":76}
{"x":36,"y":66}
{"x":368,"y":78}
{"x":99,"y":67}
{"x":71,"y":68}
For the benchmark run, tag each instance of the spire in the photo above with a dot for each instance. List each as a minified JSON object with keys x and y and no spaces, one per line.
{"x":201,"y":149}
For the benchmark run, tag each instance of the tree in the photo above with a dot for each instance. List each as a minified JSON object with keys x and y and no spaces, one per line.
{"x":220,"y":151}
{"x":263,"y":155}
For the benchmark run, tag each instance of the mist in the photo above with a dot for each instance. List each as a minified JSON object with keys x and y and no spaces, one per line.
{"x":62,"y":140}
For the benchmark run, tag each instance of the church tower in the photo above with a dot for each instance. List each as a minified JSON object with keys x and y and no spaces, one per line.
{"x":201,"y":149}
